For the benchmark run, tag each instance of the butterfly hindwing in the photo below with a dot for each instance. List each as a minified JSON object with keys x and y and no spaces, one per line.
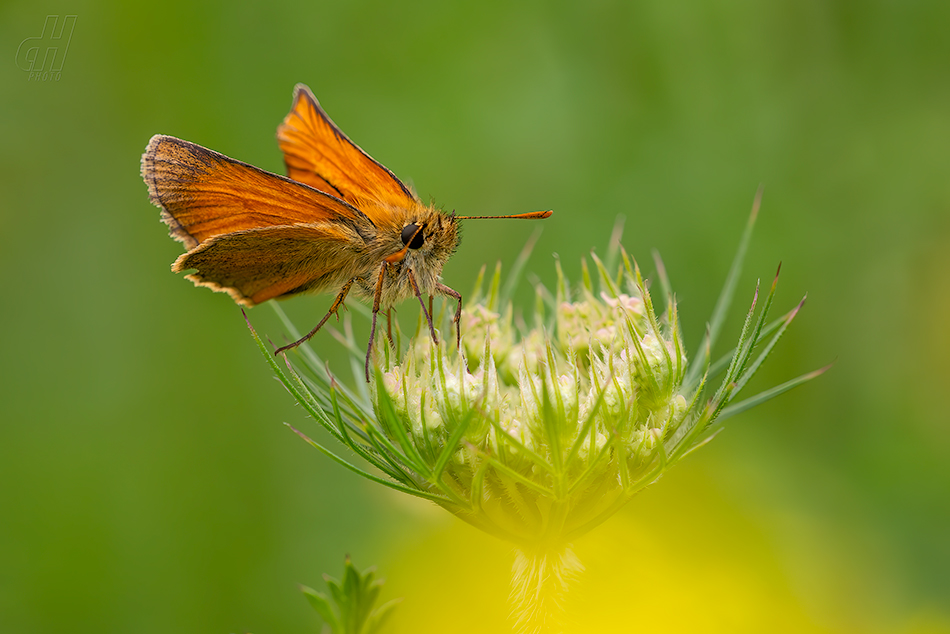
{"x":260,"y":264}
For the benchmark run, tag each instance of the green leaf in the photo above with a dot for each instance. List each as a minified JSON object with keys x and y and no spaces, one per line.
{"x":392,"y":485}
{"x":613,"y":245}
{"x":606,"y":280}
{"x":729,"y":288}
{"x":321,"y":603}
{"x":380,"y":615}
{"x":493,"y":292}
{"x":664,"y":278}
{"x":750,"y":372}
{"x":771,"y":393}
{"x":354,"y":598}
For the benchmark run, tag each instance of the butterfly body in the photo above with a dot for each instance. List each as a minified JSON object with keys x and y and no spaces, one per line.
{"x":338,"y":222}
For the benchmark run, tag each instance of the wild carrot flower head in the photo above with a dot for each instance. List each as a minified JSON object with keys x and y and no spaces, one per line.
{"x":538,"y":433}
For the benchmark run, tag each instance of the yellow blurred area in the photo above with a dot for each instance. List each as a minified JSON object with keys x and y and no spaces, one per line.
{"x":683,"y":557}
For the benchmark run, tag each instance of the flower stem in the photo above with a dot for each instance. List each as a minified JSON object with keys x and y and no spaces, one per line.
{"x":539,"y":582}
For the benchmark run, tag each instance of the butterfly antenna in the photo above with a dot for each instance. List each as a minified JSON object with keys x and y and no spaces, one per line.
{"x":531,"y":215}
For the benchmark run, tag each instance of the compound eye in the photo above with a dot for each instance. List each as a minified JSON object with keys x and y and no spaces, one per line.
{"x":409,"y":232}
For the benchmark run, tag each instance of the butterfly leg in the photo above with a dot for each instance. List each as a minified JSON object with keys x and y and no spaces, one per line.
{"x":451,"y":292}
{"x":376,"y":299}
{"x":415,"y":287}
{"x":389,"y":326}
{"x":337,"y":303}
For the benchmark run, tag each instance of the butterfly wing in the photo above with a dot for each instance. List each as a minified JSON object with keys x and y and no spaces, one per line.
{"x":317,"y":153}
{"x":204,"y":194}
{"x":251,"y":233}
{"x":260,"y":264}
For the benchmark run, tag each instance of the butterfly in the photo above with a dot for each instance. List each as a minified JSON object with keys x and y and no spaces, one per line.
{"x":338,"y":222}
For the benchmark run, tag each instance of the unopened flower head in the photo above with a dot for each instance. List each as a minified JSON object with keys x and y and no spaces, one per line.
{"x":538,"y":433}
{"x":549,"y":429}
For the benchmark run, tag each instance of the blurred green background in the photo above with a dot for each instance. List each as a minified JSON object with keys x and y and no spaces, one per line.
{"x":146,"y":481}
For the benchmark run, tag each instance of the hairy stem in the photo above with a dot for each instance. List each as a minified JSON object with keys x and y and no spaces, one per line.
{"x":539,"y":581}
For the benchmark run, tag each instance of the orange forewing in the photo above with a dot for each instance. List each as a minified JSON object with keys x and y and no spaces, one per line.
{"x":319,"y":154}
{"x":204,"y":194}
{"x":260,"y":264}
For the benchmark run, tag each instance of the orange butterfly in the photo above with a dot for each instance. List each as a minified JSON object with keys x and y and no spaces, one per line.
{"x":338,"y":221}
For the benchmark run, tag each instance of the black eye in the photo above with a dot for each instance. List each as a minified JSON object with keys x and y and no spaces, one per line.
{"x":407,"y":234}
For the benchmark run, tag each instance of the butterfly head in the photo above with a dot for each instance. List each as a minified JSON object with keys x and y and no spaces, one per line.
{"x":429,"y":237}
